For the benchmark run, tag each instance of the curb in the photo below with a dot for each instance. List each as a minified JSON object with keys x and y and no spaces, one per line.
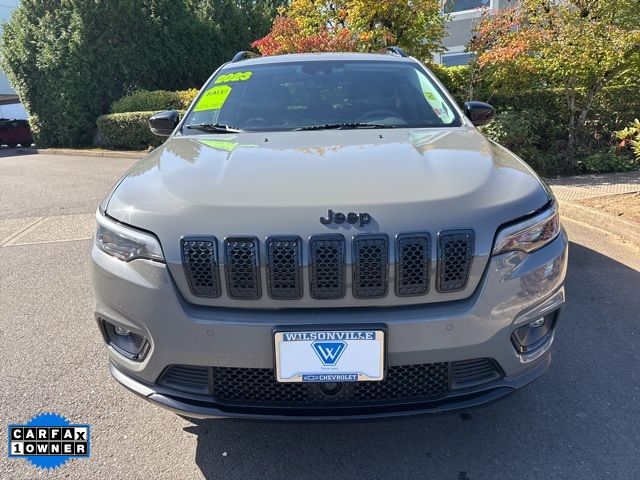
{"x":625,"y":229}
{"x":91,"y":153}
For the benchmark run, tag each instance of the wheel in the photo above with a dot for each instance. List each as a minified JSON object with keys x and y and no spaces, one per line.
{"x":12,"y":145}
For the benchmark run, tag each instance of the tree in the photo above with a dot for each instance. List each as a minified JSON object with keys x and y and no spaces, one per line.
{"x":577,"y":46}
{"x":70,"y":59}
{"x":317,"y":25}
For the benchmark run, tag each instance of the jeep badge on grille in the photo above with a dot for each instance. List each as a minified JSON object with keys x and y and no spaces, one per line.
{"x":337,"y":217}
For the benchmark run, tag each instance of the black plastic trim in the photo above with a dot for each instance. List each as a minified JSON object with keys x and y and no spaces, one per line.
{"x":215,"y":271}
{"x":244,"y":55}
{"x":399,"y":265}
{"x":312,"y":265}
{"x":466,"y":398}
{"x":256,"y":267}
{"x":356,"y":264}
{"x":442,"y":236}
{"x":299,"y":275}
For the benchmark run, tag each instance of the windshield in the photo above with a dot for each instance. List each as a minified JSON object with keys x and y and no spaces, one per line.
{"x":320,"y":94}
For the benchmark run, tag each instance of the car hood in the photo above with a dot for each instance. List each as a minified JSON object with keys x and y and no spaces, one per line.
{"x":262,"y":184}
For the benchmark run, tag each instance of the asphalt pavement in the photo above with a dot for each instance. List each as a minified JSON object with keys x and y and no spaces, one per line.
{"x":581,"y":420}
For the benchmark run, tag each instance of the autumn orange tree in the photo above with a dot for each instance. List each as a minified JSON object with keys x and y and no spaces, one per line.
{"x":576,"y":46}
{"x":355,"y":25}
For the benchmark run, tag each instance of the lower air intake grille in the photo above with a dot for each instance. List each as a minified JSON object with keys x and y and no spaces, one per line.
{"x":468,"y":373}
{"x":370,"y":265}
{"x":284,"y":267}
{"x":455,"y":253}
{"x":243,"y":277}
{"x":258,"y":386}
{"x":327,"y":266}
{"x":190,"y":379}
{"x":412,"y":268}
{"x":200,"y":260}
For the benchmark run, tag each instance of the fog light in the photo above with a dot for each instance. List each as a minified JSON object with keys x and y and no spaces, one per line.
{"x":537,"y":323}
{"x":533,"y":335}
{"x":121,"y":331}
{"x":125,"y":342}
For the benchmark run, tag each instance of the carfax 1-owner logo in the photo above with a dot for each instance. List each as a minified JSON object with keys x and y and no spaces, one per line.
{"x":48,"y":440}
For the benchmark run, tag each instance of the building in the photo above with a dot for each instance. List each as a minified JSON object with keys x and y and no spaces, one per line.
{"x":463,"y":15}
{"x":10,"y":106}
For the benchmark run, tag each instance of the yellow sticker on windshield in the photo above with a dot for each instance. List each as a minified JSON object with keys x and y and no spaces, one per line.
{"x":429,"y":96}
{"x":214,"y":98}
{"x":234,"y":77}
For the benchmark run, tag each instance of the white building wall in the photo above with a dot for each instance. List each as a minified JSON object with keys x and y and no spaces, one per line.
{"x":6,"y":7}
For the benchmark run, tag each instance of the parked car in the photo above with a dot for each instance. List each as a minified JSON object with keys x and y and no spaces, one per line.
{"x":15,"y":132}
{"x":327,"y":236}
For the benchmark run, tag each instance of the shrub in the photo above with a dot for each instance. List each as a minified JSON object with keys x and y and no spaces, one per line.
{"x":185,"y":97}
{"x":547,"y":116}
{"x":607,"y":162}
{"x":146,"y":101}
{"x":128,"y":131}
{"x":455,"y":79}
{"x":630,"y":137}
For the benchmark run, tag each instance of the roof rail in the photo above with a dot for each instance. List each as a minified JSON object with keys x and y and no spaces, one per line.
{"x":243,"y":55}
{"x":397,"y":51}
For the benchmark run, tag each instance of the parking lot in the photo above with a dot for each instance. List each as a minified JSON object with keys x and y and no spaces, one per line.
{"x":581,"y":420}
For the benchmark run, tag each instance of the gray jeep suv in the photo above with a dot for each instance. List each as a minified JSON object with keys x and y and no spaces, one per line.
{"x":327,"y":236}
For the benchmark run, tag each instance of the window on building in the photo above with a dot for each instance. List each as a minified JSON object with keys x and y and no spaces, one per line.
{"x":453,"y":6}
{"x":454,"y":59}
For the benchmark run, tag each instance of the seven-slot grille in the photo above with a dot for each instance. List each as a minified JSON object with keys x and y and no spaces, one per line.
{"x":326,"y":256}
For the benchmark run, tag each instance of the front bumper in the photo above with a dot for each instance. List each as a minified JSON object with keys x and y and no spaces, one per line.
{"x":195,"y":408}
{"x":516,"y":288}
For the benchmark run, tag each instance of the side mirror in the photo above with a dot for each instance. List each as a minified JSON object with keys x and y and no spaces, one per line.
{"x":479,"y":113}
{"x":164,"y":123}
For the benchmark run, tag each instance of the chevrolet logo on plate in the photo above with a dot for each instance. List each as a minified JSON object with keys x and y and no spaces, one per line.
{"x":329,"y":352}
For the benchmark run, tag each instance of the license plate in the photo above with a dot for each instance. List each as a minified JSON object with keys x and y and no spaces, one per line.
{"x":330,"y":356}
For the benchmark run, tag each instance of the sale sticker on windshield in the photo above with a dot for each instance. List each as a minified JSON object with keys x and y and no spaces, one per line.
{"x":214,"y":98}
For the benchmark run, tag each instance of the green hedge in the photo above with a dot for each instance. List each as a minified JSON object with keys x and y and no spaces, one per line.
{"x":69,"y":60}
{"x":129,"y":131}
{"x":534,"y":124}
{"x":146,"y":101}
{"x":455,"y":79}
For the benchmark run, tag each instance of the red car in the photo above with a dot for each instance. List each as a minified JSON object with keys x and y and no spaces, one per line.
{"x":14,"y":132}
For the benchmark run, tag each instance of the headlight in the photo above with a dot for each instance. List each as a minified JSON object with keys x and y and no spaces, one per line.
{"x":126,"y":243}
{"x":531,"y":234}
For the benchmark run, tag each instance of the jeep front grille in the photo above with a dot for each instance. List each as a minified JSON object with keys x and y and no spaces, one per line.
{"x":327,"y":266}
{"x":241,"y":261}
{"x":200,"y":259}
{"x":326,"y":255}
{"x":456,"y":252}
{"x":412,"y":267}
{"x":284,"y":264}
{"x":370,"y":265}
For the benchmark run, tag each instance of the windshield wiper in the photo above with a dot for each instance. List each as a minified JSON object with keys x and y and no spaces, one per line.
{"x":214,"y":128}
{"x":343,"y":126}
